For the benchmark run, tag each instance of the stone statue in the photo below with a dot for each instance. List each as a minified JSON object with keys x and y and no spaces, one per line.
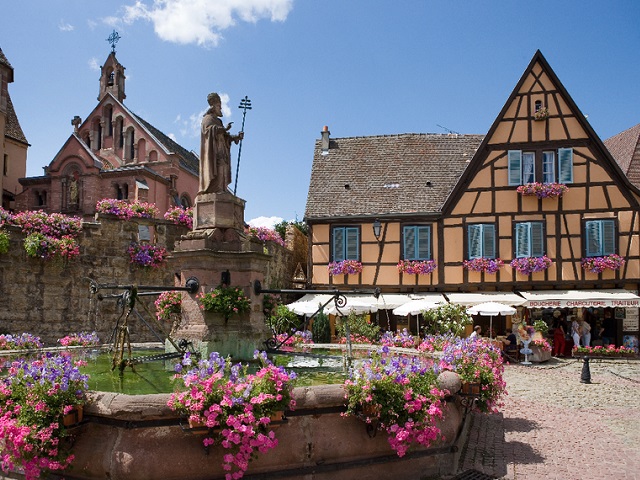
{"x":215,"y":149}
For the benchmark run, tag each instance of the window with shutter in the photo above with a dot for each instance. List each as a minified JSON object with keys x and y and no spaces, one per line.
{"x":529,"y":238}
{"x":548,"y":167}
{"x":515,"y":167}
{"x":482,"y":240}
{"x":416,"y":242}
{"x":565,"y":165}
{"x":600,"y":238}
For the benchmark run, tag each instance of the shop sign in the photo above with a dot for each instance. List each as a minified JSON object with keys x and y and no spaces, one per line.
{"x":630,"y":322}
{"x":581,"y":303}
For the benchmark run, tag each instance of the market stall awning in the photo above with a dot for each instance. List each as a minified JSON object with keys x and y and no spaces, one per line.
{"x":308,"y":304}
{"x":580,"y":298}
{"x":475,"y":298}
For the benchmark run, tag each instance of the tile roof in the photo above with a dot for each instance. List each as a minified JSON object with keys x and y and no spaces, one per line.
{"x":625,"y":149}
{"x":388,"y":174}
{"x":188,"y":159}
{"x":5,"y":62}
{"x":13,"y":129}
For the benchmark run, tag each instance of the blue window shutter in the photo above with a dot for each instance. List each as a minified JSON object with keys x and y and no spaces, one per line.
{"x":409,"y":243}
{"x":489,"y":241}
{"x":424,"y":243}
{"x":537,"y":239}
{"x":352,"y":244}
{"x":565,"y":165}
{"x":608,"y":237}
{"x":592,"y":238}
{"x":515,"y":167}
{"x":338,"y":244}
{"x":475,"y":241}
{"x":522,"y":240}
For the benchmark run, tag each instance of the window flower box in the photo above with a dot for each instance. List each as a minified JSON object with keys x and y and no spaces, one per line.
{"x":487,"y":265}
{"x":345,"y":267}
{"x":600,"y":264}
{"x":541,"y":114}
{"x":529,"y":265}
{"x":543,"y":190}
{"x":226,"y":301}
{"x":417,"y":267}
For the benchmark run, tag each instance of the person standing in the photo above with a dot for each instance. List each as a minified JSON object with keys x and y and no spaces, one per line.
{"x":576,"y":332}
{"x":559,"y":342}
{"x":585,"y":329}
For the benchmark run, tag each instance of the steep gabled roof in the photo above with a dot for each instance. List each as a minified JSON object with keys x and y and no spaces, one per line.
{"x":506,"y":120}
{"x":13,"y":129}
{"x":4,"y":61}
{"x":387,"y":175}
{"x":625,"y":149}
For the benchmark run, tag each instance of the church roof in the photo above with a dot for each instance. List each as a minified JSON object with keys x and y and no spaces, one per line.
{"x":188,"y":159}
{"x":401,"y":174}
{"x":623,"y":148}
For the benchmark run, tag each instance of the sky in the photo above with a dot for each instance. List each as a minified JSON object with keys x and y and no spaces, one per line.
{"x":359,"y":67}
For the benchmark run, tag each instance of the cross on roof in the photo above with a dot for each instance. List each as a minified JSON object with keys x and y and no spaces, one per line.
{"x":113,"y":39}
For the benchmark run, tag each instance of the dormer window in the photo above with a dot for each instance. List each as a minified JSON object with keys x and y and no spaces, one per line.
{"x":537,"y":106}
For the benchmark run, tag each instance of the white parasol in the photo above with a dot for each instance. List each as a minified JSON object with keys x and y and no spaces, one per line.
{"x":491,"y":309}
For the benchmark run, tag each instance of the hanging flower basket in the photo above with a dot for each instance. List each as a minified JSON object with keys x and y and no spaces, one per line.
{"x":486,"y":265}
{"x":345,"y":267}
{"x":600,"y":264}
{"x":528,"y":265}
{"x":543,"y":190}
{"x":417,"y":267}
{"x":226,"y":301}
{"x":541,"y":114}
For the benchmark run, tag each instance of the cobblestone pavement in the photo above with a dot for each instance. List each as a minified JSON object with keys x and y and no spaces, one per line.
{"x":552,"y":426}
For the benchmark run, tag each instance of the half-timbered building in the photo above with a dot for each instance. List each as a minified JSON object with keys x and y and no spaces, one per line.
{"x":535,"y":213}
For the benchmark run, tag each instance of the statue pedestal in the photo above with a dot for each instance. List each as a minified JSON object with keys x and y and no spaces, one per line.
{"x":218,"y":210}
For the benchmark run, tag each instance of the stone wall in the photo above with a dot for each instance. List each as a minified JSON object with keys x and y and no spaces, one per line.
{"x":51,"y":298}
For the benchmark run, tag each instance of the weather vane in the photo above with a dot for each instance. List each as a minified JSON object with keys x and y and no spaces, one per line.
{"x":113,"y":39}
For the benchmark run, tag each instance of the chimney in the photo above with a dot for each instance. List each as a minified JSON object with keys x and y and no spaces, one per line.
{"x":325,"y":140}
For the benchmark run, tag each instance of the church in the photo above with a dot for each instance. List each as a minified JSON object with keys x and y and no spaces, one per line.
{"x":112,"y":153}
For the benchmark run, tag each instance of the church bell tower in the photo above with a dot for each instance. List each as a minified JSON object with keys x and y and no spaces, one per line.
{"x":112,"y":73}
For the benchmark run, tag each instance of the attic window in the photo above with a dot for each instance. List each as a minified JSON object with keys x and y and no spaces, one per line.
{"x":537,"y":106}
{"x":391,"y":185}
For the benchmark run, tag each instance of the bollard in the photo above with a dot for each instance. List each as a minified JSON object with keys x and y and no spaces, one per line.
{"x":586,"y":371}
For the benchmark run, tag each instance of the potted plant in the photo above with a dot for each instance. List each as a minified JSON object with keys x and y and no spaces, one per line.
{"x":416,"y":267}
{"x":529,"y":265}
{"x":481,"y":264}
{"x":600,"y":264}
{"x":399,"y":395}
{"x":234,"y":406}
{"x":541,"y":113}
{"x":543,"y":190}
{"x":226,"y":301}
{"x":34,"y":397}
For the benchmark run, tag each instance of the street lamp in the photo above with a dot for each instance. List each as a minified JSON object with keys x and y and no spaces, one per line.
{"x":377,"y":228}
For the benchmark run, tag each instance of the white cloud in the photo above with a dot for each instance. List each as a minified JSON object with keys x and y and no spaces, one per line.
{"x":94,"y":65}
{"x":65,"y":27}
{"x":201,"y":21}
{"x":268,"y":222}
{"x":191,"y":127}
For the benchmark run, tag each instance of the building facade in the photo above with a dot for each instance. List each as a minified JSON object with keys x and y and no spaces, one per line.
{"x":536,"y":213}
{"x":113,"y":153}
{"x":13,"y":143}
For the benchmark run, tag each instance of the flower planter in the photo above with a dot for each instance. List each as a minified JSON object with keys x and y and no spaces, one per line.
{"x":74,"y":416}
{"x":277,"y":419}
{"x":539,"y":355}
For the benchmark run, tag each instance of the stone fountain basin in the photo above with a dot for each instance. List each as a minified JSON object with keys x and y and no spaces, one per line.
{"x":137,"y":437}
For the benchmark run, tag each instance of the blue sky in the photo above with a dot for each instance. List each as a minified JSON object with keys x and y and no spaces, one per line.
{"x":361,"y":67}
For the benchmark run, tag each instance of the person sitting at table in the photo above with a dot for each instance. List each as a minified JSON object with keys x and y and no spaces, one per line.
{"x":476,"y":331}
{"x":510,"y":343}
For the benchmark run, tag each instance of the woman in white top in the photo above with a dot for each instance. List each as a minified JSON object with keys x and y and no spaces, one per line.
{"x":585,"y":328}
{"x":576,"y":332}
